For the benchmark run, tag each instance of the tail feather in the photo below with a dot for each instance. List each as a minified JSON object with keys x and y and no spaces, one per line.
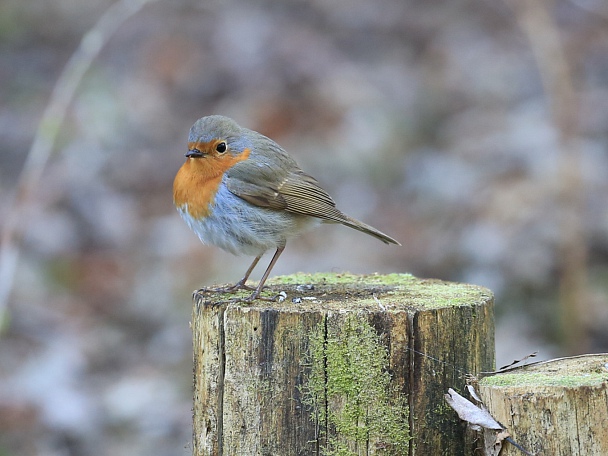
{"x":367,"y":229}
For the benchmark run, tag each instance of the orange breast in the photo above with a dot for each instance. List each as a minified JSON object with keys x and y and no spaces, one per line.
{"x":198,"y":180}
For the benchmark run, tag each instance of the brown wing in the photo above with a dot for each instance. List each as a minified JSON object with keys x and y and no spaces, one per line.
{"x":280,"y":184}
{"x":293,"y":191}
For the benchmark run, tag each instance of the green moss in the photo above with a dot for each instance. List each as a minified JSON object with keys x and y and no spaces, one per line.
{"x":389,"y":292}
{"x":396,"y":292}
{"x":349,"y":392}
{"x":544,"y":379}
{"x":331,"y":278}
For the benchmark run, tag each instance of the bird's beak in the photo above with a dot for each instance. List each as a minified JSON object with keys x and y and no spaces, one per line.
{"x":194,"y":153}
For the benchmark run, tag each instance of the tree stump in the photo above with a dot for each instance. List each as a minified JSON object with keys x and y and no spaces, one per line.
{"x":345,"y":365}
{"x":557,"y":407}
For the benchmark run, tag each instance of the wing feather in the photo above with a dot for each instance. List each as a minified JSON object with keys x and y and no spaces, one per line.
{"x":296,"y":192}
{"x":281,"y":185}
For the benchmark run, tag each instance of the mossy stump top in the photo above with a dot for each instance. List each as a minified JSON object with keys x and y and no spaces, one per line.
{"x":345,"y":291}
{"x":342,"y":365}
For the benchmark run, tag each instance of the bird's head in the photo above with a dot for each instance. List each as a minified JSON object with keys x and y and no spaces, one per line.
{"x":217,"y":137}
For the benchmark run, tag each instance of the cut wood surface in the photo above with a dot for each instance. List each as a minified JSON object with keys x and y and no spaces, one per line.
{"x":344,"y":365}
{"x":553,"y":408}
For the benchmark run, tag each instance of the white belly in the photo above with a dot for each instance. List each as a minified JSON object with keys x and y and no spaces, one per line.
{"x":238,"y":227}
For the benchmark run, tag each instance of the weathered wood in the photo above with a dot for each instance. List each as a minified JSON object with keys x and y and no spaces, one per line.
{"x":352,"y":367}
{"x":559,"y":407}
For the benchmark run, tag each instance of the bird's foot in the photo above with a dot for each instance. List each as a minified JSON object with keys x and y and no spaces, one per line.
{"x":200,"y":295}
{"x":255,"y":296}
{"x":227,"y":289}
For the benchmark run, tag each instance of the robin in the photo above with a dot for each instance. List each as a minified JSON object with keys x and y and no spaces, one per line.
{"x":240,"y":191}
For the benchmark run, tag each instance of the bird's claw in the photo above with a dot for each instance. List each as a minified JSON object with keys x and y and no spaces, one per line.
{"x":227,"y":289}
{"x":255,"y":296}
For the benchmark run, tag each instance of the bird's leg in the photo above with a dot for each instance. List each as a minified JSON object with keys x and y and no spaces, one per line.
{"x":241,"y":284}
{"x":258,"y":290}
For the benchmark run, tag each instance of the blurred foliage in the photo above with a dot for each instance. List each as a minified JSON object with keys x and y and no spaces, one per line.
{"x":431,"y":121}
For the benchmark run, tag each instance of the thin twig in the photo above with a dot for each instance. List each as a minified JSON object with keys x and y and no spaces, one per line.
{"x":46,"y":134}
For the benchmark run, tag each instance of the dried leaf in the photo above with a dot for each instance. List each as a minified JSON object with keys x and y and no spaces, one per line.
{"x":474,"y":395}
{"x":493,"y":441}
{"x":471,"y":413}
{"x":479,"y":417}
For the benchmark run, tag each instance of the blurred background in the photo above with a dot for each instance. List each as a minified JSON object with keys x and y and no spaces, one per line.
{"x":475,"y":132}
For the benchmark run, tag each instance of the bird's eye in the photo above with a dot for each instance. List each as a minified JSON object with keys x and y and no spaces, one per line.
{"x":221,"y":147}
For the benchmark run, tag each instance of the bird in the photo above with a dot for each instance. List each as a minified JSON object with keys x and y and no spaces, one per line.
{"x":240,"y":191}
